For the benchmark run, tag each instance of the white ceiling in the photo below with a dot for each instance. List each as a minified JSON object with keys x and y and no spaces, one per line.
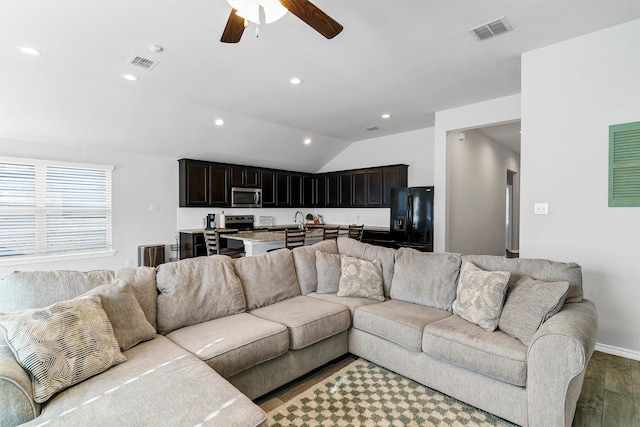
{"x":409,"y":58}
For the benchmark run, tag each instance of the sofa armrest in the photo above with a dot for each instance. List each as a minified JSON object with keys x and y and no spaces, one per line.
{"x":556,"y":363}
{"x":16,"y":394}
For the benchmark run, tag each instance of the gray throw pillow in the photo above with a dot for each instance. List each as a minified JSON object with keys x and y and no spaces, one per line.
{"x":529,"y":304}
{"x":197,"y":290}
{"x":480,"y":296}
{"x":62,"y":344}
{"x":361,"y":278}
{"x":268,"y":278}
{"x":130,"y":326}
{"x":329,"y":269}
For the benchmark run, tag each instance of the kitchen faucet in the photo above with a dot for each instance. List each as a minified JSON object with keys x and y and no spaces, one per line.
{"x":295,"y":219}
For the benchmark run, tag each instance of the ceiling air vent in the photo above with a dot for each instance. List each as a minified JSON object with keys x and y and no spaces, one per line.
{"x":141,"y":62}
{"x":372,"y":128}
{"x":491,"y":29}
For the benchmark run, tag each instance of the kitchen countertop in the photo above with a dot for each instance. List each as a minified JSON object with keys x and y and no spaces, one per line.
{"x":283,"y":226}
{"x":268,"y":236}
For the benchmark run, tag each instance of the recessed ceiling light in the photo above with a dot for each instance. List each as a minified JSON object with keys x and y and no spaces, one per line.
{"x":386,"y":116}
{"x":130,"y":77}
{"x":29,"y":50}
{"x":219,"y":122}
{"x":295,"y":80}
{"x":307,"y":141}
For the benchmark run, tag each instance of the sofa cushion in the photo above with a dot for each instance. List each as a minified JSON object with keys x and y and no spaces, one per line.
{"x":304,"y":259}
{"x":480,"y":296}
{"x":352,"y":303}
{"x":196,"y":290}
{"x":494,"y":354}
{"x":268,"y":278}
{"x":397,"y":321}
{"x":528,"y":304}
{"x":539,"y":269}
{"x":23,"y":290}
{"x":360,"y":278}
{"x":353,"y":248}
{"x":130,"y":326}
{"x":234,"y":343}
{"x":426,"y":278}
{"x":62,"y":344}
{"x":161,"y":384}
{"x":329,"y":270}
{"x":309,"y":320}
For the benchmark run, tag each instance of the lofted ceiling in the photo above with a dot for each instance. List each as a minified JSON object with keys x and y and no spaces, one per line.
{"x":408,"y":58}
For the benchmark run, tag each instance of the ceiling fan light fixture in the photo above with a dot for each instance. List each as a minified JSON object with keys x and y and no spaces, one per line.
{"x":250,"y":10}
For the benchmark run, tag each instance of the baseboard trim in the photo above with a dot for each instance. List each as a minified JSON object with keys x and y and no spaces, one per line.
{"x":618,"y":351}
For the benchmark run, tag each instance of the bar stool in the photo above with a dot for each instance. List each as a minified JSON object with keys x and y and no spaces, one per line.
{"x":212,"y":240}
{"x":355,"y":232}
{"x":294,"y":238}
{"x":330,"y":233}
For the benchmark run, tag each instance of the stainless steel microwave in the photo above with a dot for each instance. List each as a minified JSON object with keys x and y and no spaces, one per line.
{"x":246,"y":197}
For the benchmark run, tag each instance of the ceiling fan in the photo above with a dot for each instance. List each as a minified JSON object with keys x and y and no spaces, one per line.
{"x":249,"y":10}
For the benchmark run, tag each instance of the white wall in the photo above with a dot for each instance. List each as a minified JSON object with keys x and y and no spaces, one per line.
{"x":476,"y":184}
{"x":571,"y":93}
{"x":138,"y":181}
{"x":496,"y":111}
{"x":414,"y":148}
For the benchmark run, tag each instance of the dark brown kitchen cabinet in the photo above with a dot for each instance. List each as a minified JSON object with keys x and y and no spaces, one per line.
{"x":332,"y":190}
{"x":373,"y":187}
{"x":268,"y":179}
{"x":345,"y":189}
{"x":283,"y":189}
{"x":392,"y":177}
{"x":203,"y":184}
{"x":309,"y":195}
{"x":295,"y":190}
{"x":242,"y":176}
{"x":359,"y":189}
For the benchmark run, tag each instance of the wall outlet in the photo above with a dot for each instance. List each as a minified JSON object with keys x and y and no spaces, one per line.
{"x":153,"y":207}
{"x":541,"y":208}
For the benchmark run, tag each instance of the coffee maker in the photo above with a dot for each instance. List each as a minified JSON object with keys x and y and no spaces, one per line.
{"x":211,"y":221}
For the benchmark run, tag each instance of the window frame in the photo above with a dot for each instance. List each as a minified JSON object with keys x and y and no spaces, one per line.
{"x":40,"y":165}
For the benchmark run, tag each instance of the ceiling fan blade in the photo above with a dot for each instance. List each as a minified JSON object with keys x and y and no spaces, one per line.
{"x":234,"y":28}
{"x":314,"y":17}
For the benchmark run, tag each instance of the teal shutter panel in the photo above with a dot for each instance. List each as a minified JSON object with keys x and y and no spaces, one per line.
{"x":624,"y":165}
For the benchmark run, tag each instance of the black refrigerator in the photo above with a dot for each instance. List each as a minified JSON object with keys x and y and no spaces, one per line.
{"x":412,"y":217}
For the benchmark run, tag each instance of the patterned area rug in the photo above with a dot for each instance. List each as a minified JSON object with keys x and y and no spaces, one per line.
{"x":364,"y":394}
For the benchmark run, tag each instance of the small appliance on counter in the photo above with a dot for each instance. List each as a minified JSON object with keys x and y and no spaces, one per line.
{"x":211,"y":222}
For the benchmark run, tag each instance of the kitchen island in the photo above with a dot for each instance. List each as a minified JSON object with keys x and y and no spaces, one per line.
{"x":259,"y":242}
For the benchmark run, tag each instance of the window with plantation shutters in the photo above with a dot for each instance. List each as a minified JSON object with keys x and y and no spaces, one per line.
{"x":50,"y":209}
{"x":624,"y":164}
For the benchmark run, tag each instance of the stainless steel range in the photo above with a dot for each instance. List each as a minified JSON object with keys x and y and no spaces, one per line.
{"x":239,"y":222}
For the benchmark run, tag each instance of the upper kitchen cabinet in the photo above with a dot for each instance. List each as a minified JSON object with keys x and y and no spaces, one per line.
{"x":243,"y":176}
{"x":203,"y":184}
{"x":283,"y":189}
{"x":392,"y":177}
{"x":365,"y":188}
{"x":268,"y":178}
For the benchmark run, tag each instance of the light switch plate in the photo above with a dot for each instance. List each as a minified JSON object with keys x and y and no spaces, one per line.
{"x":541,"y":208}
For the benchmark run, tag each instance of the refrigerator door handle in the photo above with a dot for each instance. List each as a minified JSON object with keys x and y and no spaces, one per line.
{"x":409,"y":215}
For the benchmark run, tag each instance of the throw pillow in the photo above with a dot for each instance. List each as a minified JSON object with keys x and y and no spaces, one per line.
{"x":329,"y":269}
{"x":361,"y":278}
{"x":480,"y":296}
{"x":62,"y":344}
{"x":130,"y":326}
{"x":529,"y":304}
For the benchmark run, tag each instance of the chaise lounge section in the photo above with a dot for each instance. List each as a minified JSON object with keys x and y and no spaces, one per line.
{"x":211,"y":333}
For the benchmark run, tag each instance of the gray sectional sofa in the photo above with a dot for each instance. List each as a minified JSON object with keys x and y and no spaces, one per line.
{"x":204,"y":336}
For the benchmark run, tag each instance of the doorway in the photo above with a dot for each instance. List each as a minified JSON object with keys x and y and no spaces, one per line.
{"x":483,"y":190}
